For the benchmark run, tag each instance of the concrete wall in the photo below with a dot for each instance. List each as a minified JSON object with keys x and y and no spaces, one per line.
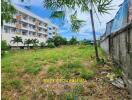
{"x":105,"y":45}
{"x":119,"y":45}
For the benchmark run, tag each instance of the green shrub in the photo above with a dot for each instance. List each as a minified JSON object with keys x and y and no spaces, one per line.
{"x":117,"y":71}
{"x":34,"y":70}
{"x":58,"y":40}
{"x":51,"y":45}
{"x":87,"y":74}
{"x":42,"y":44}
{"x":85,"y":42}
{"x":73,"y":41}
{"x":4,"y":47}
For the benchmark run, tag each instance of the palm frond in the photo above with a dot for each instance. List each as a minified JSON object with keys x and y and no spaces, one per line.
{"x":103,"y":6}
{"x":76,"y":23}
{"x":58,"y":14}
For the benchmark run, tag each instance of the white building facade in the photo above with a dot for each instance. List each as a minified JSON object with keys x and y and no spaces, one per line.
{"x":28,"y":26}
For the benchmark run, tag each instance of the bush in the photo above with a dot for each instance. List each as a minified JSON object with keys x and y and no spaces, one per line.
{"x":4,"y":47}
{"x":58,"y":40}
{"x":51,"y":45}
{"x":86,"y":42}
{"x":73,"y":41}
{"x":42,"y":44}
{"x":87,"y":74}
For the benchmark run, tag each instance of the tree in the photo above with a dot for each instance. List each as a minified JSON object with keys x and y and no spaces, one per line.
{"x":17,"y":40}
{"x":58,"y":40}
{"x":35,"y":42}
{"x":59,"y":8}
{"x":7,"y":11}
{"x":28,"y":42}
{"x":73,"y":41}
{"x":42,"y":44}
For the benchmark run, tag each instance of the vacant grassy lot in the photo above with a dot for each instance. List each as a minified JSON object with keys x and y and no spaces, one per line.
{"x":24,"y":72}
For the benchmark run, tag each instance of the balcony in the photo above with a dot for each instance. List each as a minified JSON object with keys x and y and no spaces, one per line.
{"x":7,"y":24}
{"x":24,"y":20}
{"x":18,"y":25}
{"x":24,"y":27}
{"x":32,"y":21}
{"x":18,"y":17}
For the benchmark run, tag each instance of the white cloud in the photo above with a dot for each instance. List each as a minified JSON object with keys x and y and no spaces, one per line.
{"x":100,"y":27}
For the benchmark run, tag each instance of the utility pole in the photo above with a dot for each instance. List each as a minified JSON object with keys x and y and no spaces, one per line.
{"x":94,"y":35}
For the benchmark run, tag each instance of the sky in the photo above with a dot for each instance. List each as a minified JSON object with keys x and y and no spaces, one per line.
{"x":64,"y":26}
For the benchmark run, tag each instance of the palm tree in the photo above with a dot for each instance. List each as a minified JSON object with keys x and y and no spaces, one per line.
{"x":60,"y":7}
{"x":35,"y":42}
{"x":17,"y":40}
{"x":28,"y":42}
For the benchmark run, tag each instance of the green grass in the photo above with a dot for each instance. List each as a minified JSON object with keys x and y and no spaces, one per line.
{"x":71,"y":70}
{"x":20,"y":67}
{"x":87,"y":74}
{"x":33,"y":69}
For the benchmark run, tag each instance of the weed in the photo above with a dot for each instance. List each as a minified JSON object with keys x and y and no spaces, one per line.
{"x":8,"y":69}
{"x":74,"y":93}
{"x":17,"y":84}
{"x":34,"y":70}
{"x":92,"y":85}
{"x":9,"y":84}
{"x":87,"y":74}
{"x":117,"y":71}
{"x":78,"y":89}
{"x":50,"y":95}
{"x":69,"y":96}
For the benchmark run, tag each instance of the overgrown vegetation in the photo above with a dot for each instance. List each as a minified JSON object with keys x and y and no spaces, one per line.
{"x":70,"y":70}
{"x":24,"y":71}
{"x":33,"y":69}
{"x":4,"y":47}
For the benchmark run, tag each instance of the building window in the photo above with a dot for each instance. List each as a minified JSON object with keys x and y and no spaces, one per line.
{"x":34,"y":34}
{"x":24,"y":33}
{"x":13,"y":30}
{"x":49,"y":28}
{"x":54,"y":33}
{"x":45,"y":35}
{"x":54,"y":28}
{"x":6,"y":29}
{"x":45,"y":30}
{"x":25,"y":17}
{"x":50,"y":33}
{"x":45,"y":24}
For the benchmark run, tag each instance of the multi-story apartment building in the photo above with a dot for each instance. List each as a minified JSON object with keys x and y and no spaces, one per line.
{"x":28,"y":26}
